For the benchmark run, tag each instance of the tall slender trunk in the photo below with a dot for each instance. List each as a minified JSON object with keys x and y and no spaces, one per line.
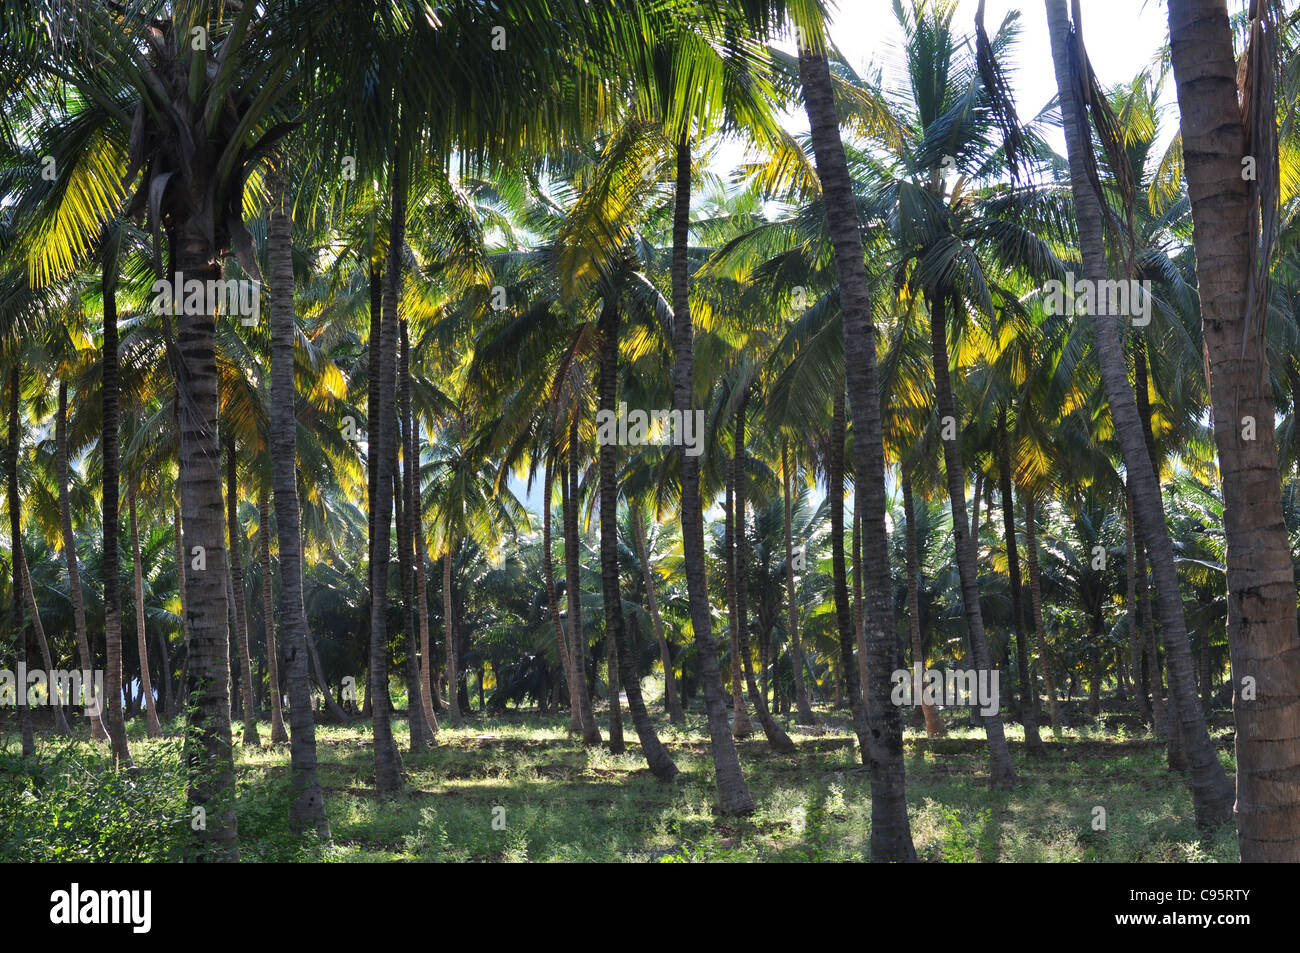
{"x":616,"y":742}
{"x":1002,"y":769}
{"x":16,"y":561}
{"x":404,"y":493}
{"x":111,"y":562}
{"x":179,"y":538}
{"x":672,"y":704}
{"x":934,"y":727}
{"x":792,"y":602}
{"x":573,"y":586}
{"x":657,"y":757}
{"x":449,"y":638}
{"x":1036,"y":606}
{"x":278,"y":733}
{"x":307,"y":804}
{"x":236,"y":534}
{"x":388,"y":761}
{"x":422,"y":597}
{"x":1211,"y":790}
{"x":552,"y":604}
{"x":859,"y":617}
{"x":55,"y":701}
{"x":891,"y":837}
{"x":1028,"y":690}
{"x":208,"y":740}
{"x":1263,"y":640}
{"x":93,"y":709}
{"x":741,"y":726}
{"x":152,"y":725}
{"x":777,"y":739}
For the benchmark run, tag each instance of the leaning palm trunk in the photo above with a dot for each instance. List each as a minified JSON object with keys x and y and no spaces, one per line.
{"x":672,"y":703}
{"x":1028,"y":690}
{"x":891,"y":836}
{"x":792,"y":598}
{"x":111,"y":565}
{"x":55,"y":701}
{"x":16,"y":562}
{"x":306,"y":804}
{"x":1002,"y":769}
{"x":152,"y":726}
{"x":741,"y":726}
{"x":777,"y":739}
{"x":1235,"y":223}
{"x":92,"y":707}
{"x":733,"y":794}
{"x":388,"y":761}
{"x":552,"y":604}
{"x":934,"y":727}
{"x":573,"y":587}
{"x":1211,"y":789}
{"x":236,"y":534}
{"x":278,"y":734}
{"x":656,"y":755}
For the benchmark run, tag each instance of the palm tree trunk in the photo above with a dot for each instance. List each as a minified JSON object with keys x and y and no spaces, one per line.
{"x":1002,"y":769}
{"x":236,"y":534}
{"x":801,"y":700}
{"x":208,"y":740}
{"x":573,"y":587}
{"x":306,"y":804}
{"x":404,"y":494}
{"x":1028,"y":690}
{"x":16,"y":561}
{"x":672,"y":703}
{"x":934,"y":727}
{"x":388,"y":761}
{"x":777,"y":739}
{"x":552,"y":604}
{"x":1212,"y":793}
{"x":278,"y":733}
{"x":891,"y":837}
{"x":180,"y":583}
{"x":859,"y":617}
{"x":656,"y":755}
{"x":741,"y":726}
{"x":111,"y":565}
{"x":1262,"y":633}
{"x":152,"y":725}
{"x":55,"y":702}
{"x":422,"y":596}
{"x":616,"y":743}
{"x":453,"y":693}
{"x":1036,"y":607}
{"x":92,"y":708}
{"x":733,"y":794}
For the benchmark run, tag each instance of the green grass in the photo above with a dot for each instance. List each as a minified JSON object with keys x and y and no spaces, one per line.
{"x":565,"y":803}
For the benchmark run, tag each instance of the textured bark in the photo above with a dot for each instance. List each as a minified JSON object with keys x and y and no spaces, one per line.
{"x":934,"y":727}
{"x":777,"y":739}
{"x":656,"y":755}
{"x":208,"y":740}
{"x":573,"y":587}
{"x":891,"y":837}
{"x":236,"y":534}
{"x":672,"y":704}
{"x":1028,"y":690}
{"x":421,"y":735}
{"x":733,"y":794}
{"x":741,"y":726}
{"x":1001,"y":768}
{"x":616,"y":743}
{"x":152,"y":726}
{"x":1263,"y":640}
{"x":792,"y":596}
{"x":1036,"y":605}
{"x":278,"y":733}
{"x":111,"y":563}
{"x":553,"y":605}
{"x":1211,"y":789}
{"x":93,"y":714}
{"x":449,"y":638}
{"x":388,"y":761}
{"x":306,"y":804}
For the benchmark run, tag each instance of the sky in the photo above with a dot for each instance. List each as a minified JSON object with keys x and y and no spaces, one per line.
{"x":1123,"y":36}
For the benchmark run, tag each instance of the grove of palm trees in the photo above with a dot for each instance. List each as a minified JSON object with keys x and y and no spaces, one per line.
{"x":681,"y":430}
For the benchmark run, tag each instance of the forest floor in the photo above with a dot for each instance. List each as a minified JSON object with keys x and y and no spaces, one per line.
{"x":516,"y":787}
